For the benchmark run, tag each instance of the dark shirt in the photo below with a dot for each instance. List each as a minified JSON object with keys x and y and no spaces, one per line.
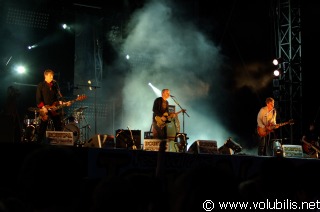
{"x":47,"y":94}
{"x":311,"y":136}
{"x":160,"y":107}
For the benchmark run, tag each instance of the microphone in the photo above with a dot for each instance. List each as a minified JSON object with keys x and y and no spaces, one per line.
{"x":171,"y":96}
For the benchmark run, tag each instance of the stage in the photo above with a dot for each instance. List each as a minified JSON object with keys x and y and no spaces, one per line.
{"x":104,"y":162}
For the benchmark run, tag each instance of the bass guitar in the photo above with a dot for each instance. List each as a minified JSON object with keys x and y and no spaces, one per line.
{"x":162,"y":123}
{"x":56,"y":106}
{"x":262,"y":132}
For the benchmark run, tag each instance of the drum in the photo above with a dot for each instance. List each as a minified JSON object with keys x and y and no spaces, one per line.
{"x":28,"y":121}
{"x":71,"y":119}
{"x":77,"y":116}
{"x":29,"y":134}
{"x":71,"y":127}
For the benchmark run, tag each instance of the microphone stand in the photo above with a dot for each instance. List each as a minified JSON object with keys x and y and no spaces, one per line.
{"x":183,"y":145}
{"x":183,"y":112}
{"x":95,"y":104}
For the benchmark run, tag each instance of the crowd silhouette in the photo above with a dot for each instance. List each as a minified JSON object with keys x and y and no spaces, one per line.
{"x":50,"y":178}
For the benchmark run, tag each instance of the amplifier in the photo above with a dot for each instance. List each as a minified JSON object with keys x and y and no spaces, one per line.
{"x":124,"y":139}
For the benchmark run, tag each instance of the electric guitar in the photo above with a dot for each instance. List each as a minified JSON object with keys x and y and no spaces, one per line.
{"x":262,"y":132}
{"x":162,"y":123}
{"x":310,"y":148}
{"x":56,"y":106}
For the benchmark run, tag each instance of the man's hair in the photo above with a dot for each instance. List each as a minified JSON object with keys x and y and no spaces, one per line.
{"x":269,"y":99}
{"x":165,"y":89}
{"x":48,"y":71}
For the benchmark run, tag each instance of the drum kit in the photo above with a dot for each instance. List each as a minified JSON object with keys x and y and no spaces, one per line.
{"x":75,"y":123}
{"x":31,"y":126}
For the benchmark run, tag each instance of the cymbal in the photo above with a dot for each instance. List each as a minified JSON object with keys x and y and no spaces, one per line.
{"x":33,"y":109}
{"x":80,"y":109}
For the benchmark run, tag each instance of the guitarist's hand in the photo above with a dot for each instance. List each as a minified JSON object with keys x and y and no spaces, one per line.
{"x":44,"y":113}
{"x":44,"y":110}
{"x":163,"y":118}
{"x":269,"y":128}
{"x":68,"y":103}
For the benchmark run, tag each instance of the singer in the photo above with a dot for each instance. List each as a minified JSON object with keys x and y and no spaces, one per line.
{"x":266,"y":123}
{"x":48,"y":96}
{"x":161,"y":115}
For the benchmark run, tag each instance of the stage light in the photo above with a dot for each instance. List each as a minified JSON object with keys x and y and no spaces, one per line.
{"x":20,"y":69}
{"x":65,"y":26}
{"x":277,"y":148}
{"x":276,"y":72}
{"x":89,"y":82}
{"x":277,"y":61}
{"x":32,"y":46}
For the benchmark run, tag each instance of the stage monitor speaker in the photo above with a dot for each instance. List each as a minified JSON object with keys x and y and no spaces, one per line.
{"x":100,"y":141}
{"x":224,"y":150}
{"x":125,"y":140}
{"x":204,"y":147}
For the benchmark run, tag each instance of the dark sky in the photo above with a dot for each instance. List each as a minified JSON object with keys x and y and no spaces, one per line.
{"x":215,"y":56}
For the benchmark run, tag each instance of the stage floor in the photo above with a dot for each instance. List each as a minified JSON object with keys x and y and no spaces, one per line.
{"x":103,"y":162}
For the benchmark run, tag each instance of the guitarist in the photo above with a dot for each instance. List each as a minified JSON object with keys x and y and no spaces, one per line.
{"x":48,"y":95}
{"x":266,"y":121}
{"x":161,"y":113}
{"x":310,"y":139}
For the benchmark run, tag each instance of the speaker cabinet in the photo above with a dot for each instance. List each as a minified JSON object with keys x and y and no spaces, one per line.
{"x":127,"y":138}
{"x":204,"y":147}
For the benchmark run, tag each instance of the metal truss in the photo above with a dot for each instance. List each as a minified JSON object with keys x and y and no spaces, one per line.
{"x":288,"y":37}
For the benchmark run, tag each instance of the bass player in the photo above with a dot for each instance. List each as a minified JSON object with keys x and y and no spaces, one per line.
{"x":266,"y":121}
{"x":48,"y":96}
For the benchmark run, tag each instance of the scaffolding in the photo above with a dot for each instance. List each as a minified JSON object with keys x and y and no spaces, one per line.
{"x":288,"y":91}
